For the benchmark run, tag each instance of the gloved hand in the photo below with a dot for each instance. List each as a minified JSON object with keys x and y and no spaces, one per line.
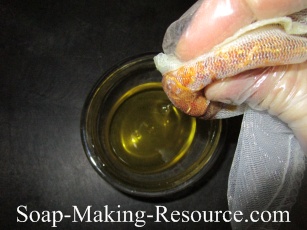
{"x":236,"y":52}
{"x":282,"y":90}
{"x":215,"y":21}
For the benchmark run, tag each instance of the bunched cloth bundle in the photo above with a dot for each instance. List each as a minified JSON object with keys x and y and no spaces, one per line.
{"x":269,"y":162}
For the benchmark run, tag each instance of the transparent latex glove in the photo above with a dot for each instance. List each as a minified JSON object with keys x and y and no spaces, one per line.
{"x":269,"y":163}
{"x":214,"y":21}
{"x":282,"y":91}
{"x":208,"y":23}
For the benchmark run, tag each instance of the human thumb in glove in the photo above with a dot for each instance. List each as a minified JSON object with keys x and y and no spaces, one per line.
{"x":280,"y":90}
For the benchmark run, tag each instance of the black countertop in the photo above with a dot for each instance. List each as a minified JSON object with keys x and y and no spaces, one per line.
{"x":52,"y":53}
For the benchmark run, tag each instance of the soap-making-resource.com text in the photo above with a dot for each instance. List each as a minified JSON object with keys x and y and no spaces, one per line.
{"x":139,"y":218}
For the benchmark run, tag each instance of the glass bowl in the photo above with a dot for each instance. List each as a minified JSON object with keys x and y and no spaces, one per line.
{"x":138,"y":141}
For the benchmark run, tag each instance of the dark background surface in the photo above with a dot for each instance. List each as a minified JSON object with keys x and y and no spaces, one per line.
{"x":52,"y":53}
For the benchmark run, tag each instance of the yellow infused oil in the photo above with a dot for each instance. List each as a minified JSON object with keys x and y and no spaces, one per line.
{"x":147,"y":133}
